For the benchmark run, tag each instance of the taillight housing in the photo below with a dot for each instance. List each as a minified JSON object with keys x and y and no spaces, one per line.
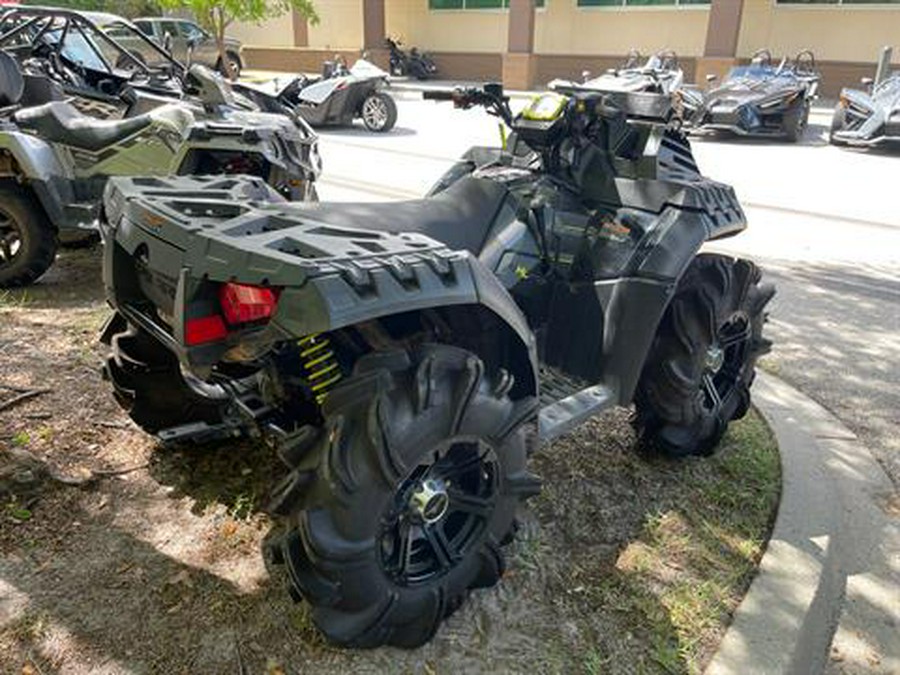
{"x":240,"y":304}
{"x":204,"y":329}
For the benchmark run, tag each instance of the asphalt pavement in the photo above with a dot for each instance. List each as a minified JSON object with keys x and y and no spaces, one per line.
{"x":824,"y":225}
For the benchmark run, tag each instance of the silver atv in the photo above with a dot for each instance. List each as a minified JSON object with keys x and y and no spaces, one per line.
{"x":55,"y":160}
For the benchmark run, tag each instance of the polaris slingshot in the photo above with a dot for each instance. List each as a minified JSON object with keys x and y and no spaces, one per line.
{"x":659,"y":74}
{"x":869,"y":118}
{"x":761,"y":99}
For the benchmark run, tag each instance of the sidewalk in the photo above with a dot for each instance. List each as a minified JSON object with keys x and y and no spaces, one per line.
{"x":827,"y":595}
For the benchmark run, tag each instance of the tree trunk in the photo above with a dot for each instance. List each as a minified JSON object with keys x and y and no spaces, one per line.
{"x":220,"y":44}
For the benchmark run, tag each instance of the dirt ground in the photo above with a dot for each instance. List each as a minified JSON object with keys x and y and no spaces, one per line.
{"x":151,"y":565}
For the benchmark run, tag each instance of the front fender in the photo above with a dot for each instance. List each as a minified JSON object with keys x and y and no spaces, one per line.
{"x":34,"y":163}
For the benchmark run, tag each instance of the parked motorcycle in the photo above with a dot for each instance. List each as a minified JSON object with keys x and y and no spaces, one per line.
{"x":415,"y":64}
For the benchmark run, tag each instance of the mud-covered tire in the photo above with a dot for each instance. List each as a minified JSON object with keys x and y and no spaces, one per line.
{"x":346,"y":499}
{"x":148,"y":383}
{"x":379,"y":112}
{"x":28,"y":242}
{"x":708,"y":341}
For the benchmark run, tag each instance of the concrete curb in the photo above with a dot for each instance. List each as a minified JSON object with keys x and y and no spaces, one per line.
{"x":832,"y":535}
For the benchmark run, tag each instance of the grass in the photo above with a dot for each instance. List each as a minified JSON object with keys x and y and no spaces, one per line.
{"x":681,"y":578}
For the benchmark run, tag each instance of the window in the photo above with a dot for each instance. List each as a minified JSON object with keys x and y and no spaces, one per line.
{"x":145,"y":27}
{"x":190,"y":31}
{"x":838,"y":2}
{"x":474,"y":4}
{"x":641,"y":3}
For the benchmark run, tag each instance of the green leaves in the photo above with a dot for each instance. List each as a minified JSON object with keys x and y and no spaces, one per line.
{"x":219,"y":13}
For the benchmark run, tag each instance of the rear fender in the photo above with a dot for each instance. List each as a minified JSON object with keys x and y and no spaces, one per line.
{"x":454,"y":285}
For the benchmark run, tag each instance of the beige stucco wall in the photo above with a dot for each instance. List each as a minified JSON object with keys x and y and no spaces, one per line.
{"x":564,"y":28}
{"x":341,"y":25}
{"x":278,"y":32}
{"x":446,"y":30}
{"x":833,"y":33}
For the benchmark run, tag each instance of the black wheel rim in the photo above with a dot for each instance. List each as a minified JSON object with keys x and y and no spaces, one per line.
{"x":725,"y":360}
{"x":10,"y":239}
{"x":439,"y":513}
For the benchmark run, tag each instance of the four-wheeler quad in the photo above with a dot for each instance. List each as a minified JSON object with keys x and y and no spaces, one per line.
{"x":761,"y":100}
{"x":54,"y":162}
{"x":339,"y":97}
{"x":660,"y":73}
{"x":870,"y":118}
{"x":404,"y":358}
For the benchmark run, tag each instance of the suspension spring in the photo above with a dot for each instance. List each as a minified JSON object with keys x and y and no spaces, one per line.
{"x":320,"y":365}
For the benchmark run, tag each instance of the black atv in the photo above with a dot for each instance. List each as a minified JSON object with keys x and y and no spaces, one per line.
{"x":403,"y":359}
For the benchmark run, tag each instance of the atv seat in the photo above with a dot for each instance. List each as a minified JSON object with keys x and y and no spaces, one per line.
{"x":61,"y":122}
{"x":459,"y":217}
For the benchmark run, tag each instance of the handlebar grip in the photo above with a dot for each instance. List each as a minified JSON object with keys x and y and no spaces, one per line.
{"x":438,"y":95}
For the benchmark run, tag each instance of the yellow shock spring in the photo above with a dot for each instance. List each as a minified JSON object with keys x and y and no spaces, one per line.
{"x":322,"y":368}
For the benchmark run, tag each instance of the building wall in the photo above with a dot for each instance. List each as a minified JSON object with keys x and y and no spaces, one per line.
{"x":564,"y":28}
{"x":278,"y":32}
{"x":446,"y":30}
{"x":341,"y":25}
{"x":833,"y":33}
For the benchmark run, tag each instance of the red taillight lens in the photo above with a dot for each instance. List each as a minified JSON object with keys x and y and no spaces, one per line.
{"x":244,"y":304}
{"x":203,"y":330}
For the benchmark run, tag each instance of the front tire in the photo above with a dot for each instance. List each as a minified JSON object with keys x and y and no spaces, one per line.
{"x":379,"y":112}
{"x":405,"y":495}
{"x":702,"y":362}
{"x":838,"y":121}
{"x":231,"y":67}
{"x":148,"y":384}
{"x":28,"y":242}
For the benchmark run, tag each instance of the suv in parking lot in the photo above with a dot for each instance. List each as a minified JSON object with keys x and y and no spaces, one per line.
{"x":185,"y":33}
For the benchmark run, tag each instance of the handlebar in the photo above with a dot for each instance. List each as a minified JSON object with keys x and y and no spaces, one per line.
{"x":438,"y":95}
{"x":490,"y":97}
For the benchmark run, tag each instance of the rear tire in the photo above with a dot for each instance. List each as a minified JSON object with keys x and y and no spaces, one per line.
{"x":379,"y":112}
{"x":28,"y":242}
{"x":702,"y":362}
{"x":405,"y":496}
{"x":148,"y":384}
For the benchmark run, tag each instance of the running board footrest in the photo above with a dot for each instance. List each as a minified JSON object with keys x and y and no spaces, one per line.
{"x":564,"y":415}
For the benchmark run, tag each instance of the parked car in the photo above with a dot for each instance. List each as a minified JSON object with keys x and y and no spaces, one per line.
{"x":760,"y":99}
{"x":185,"y":34}
{"x":870,"y":117}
